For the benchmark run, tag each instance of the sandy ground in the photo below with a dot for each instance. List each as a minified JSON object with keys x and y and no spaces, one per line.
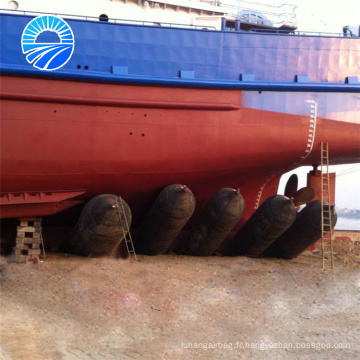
{"x":68,"y":307}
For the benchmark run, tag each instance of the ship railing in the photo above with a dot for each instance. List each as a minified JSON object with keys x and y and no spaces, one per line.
{"x":258,"y":13}
{"x":174,"y":25}
{"x":303,"y":33}
{"x":112,"y":20}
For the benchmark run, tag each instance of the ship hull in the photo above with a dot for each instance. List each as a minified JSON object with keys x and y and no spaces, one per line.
{"x":133,"y":140}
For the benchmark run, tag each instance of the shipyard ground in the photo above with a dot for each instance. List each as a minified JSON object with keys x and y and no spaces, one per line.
{"x":68,"y":307}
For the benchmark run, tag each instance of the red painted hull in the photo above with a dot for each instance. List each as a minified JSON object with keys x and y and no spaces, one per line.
{"x":134,"y":140}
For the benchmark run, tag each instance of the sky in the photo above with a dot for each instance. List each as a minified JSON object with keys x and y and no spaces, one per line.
{"x":326,"y":15}
{"x":319,"y":15}
{"x":330,"y":16}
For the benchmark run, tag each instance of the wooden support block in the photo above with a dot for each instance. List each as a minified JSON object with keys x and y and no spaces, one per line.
{"x":36,"y":235}
{"x":32,"y":241}
{"x":26,"y":252}
{"x":27,"y":240}
{"x":23,"y":246}
{"x":21,"y":258}
{"x":28,"y":229}
{"x":34,"y":223}
{"x":20,"y":252}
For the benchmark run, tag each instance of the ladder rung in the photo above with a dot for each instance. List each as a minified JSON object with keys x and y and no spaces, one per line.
{"x":326,"y":218}
{"x":125,"y":226}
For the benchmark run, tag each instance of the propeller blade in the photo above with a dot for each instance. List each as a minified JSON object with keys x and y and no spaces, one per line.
{"x":303,"y":196}
{"x":291,"y":186}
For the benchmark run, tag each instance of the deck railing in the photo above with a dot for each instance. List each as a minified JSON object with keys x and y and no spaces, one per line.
{"x":111,"y":20}
{"x":256,"y":12}
{"x":174,"y":25}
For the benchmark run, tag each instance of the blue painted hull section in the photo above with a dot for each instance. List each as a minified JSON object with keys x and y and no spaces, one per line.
{"x":156,"y":56}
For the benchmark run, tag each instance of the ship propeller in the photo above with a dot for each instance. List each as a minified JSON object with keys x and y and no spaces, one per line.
{"x":291,"y":186}
{"x":301,"y":196}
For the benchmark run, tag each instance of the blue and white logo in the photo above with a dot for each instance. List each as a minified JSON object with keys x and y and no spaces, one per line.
{"x":48,"y":42}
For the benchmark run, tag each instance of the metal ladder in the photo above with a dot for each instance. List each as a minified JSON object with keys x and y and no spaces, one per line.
{"x":125,"y":228}
{"x":326,"y":221}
